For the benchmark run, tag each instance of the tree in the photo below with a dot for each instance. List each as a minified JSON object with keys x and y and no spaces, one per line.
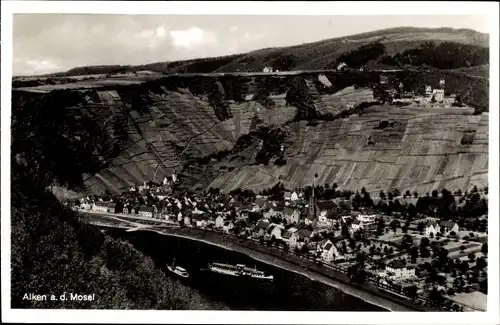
{"x":394,"y":225}
{"x":462,"y":248}
{"x":420,"y":227}
{"x":411,"y":291}
{"x":484,"y":248}
{"x":453,"y":234}
{"x":382,"y":195}
{"x":471,"y":256}
{"x":414,"y":254}
{"x":415,"y":194}
{"x":406,"y":242}
{"x":404,"y":229}
{"x":436,"y":296}
{"x":481,"y":263}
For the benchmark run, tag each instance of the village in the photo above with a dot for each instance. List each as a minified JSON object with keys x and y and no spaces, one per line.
{"x":391,"y":238}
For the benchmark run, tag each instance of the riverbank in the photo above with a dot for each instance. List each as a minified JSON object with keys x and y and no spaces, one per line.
{"x":366,"y":292}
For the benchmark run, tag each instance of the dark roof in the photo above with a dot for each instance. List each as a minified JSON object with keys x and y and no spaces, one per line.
{"x":432,"y":223}
{"x":447,"y":224}
{"x":328,"y":246}
{"x":326,"y":205}
{"x":398,"y":264}
{"x":356,"y":222}
{"x":146,"y":209}
{"x":288,"y":211}
{"x":287,"y":235}
{"x":304,"y":233}
{"x":260,"y":201}
{"x":263,"y":224}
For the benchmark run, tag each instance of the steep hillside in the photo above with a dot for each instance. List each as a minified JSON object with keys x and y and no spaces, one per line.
{"x":53,"y":253}
{"x":247,"y":131}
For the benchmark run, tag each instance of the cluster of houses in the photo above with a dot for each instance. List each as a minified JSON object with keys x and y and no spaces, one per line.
{"x":293,"y":221}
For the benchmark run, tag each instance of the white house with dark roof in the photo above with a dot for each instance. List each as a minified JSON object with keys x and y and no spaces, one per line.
{"x":145,"y":211}
{"x":432,"y":228}
{"x":327,"y":250}
{"x":448,"y":226}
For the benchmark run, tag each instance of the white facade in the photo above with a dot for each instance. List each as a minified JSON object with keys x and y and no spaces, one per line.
{"x":294,"y":196}
{"x":438,"y":95}
{"x":341,"y":66}
{"x":219,"y":222}
{"x":276,"y":232}
{"x":432,"y":229}
{"x":267,"y":70}
{"x":144,"y":213}
{"x":99,"y":207}
{"x":366,"y":218}
{"x":400,"y":272}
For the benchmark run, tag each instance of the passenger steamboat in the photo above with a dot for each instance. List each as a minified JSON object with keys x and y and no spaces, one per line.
{"x":239,"y":270}
{"x":178,"y":270}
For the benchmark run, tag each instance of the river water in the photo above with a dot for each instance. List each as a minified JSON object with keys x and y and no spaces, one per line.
{"x":288,"y":292}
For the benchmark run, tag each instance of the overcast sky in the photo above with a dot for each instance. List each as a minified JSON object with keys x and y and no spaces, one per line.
{"x":45,"y":43}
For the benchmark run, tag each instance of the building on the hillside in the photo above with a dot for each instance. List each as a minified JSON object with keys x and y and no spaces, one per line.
{"x":291,"y":215}
{"x":85,"y":205}
{"x":294,"y":197}
{"x":341,"y":66}
{"x":187,"y":220}
{"x":432,"y":228}
{"x":448,"y":226}
{"x":267,"y":70}
{"x":399,"y":269}
{"x":428,"y":91}
{"x":145,"y":211}
{"x":384,"y":80}
{"x":442,"y":84}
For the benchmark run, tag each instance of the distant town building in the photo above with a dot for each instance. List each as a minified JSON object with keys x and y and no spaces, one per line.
{"x":448,"y":226}
{"x":294,"y":196}
{"x":432,"y":228}
{"x":145,"y":211}
{"x":438,"y":95}
{"x":399,"y":269}
{"x":428,"y":91}
{"x":327,"y":250}
{"x":341,"y":66}
{"x":442,"y":83}
{"x":267,"y":70}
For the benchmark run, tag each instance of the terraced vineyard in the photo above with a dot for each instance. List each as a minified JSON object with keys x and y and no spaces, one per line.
{"x":165,"y":126}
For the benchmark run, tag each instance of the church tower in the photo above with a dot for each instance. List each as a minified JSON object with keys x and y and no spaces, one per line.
{"x":313,"y":201}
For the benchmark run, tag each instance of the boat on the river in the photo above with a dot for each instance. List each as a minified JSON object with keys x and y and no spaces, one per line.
{"x":239,"y":270}
{"x":180,"y":271}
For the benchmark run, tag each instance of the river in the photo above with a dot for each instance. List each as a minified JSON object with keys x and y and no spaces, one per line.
{"x":288,"y":292}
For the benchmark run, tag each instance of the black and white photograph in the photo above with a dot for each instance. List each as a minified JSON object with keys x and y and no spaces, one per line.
{"x":251,"y":157}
